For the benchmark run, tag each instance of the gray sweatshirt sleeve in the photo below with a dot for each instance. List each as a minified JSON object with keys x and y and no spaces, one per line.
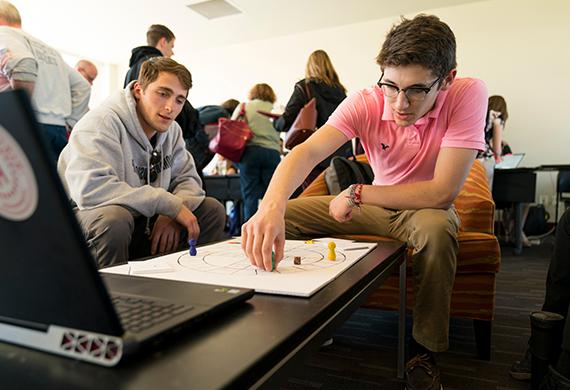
{"x":93,"y":167}
{"x":19,"y":62}
{"x":186,"y":183}
{"x":80,"y":94}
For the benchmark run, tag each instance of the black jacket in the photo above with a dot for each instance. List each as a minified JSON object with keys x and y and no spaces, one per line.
{"x":138,"y":56}
{"x":196,"y":139}
{"x":328,"y":99}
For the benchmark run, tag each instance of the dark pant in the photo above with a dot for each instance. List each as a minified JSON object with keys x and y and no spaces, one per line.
{"x":114,"y":235}
{"x":558,"y":281}
{"x":256,"y":169}
{"x":56,"y":137}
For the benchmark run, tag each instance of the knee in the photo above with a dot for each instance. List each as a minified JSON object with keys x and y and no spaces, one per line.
{"x":215,"y":211}
{"x":115,"y":223}
{"x":436,"y":230}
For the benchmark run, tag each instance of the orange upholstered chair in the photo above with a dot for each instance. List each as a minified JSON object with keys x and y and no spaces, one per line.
{"x":478,"y":259}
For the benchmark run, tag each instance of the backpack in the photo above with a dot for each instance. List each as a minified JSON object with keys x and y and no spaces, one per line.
{"x":343,"y":172}
{"x":536,"y":223}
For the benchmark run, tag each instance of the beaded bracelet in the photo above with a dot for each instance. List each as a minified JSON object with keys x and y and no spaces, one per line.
{"x":354,"y":198}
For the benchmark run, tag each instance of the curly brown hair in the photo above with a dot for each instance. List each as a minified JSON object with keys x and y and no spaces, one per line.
{"x":424,"y":40}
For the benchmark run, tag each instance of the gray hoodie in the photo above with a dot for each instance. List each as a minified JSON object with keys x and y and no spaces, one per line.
{"x":107,"y":162}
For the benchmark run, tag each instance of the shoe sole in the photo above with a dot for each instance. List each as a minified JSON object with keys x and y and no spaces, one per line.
{"x":440,"y":387}
{"x":521,"y":376}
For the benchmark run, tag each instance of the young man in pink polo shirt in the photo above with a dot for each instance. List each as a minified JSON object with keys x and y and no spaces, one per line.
{"x":421,"y":128}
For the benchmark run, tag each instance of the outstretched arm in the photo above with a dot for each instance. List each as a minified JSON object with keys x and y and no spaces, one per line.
{"x":266,"y":229}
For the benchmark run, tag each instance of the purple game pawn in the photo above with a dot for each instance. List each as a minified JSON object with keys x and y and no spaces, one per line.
{"x":192,"y":243}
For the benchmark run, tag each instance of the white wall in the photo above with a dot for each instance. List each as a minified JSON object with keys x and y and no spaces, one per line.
{"x":519,"y":47}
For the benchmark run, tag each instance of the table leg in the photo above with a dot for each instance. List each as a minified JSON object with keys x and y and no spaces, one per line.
{"x":518,"y":227}
{"x":402,"y":322}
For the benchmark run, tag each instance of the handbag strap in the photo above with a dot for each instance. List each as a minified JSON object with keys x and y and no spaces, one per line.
{"x":242,"y":113}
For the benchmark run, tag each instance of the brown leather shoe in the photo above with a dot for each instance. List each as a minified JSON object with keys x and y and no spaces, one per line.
{"x":422,"y":373}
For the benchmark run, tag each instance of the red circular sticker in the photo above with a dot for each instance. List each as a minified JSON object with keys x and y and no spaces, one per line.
{"x":18,"y":185}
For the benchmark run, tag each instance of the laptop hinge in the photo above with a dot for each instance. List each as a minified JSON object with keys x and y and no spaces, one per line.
{"x":92,"y":347}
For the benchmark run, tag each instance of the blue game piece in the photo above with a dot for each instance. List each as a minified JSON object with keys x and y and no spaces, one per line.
{"x":192,"y":243}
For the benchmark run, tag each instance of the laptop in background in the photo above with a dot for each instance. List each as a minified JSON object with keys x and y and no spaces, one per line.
{"x":510,"y":161}
{"x":53,"y":297}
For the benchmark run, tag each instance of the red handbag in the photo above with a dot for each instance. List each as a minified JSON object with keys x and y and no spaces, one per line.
{"x":232,"y":137}
{"x":304,"y":125}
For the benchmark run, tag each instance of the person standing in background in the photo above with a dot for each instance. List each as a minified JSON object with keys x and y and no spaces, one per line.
{"x":497,"y":116}
{"x":59,"y":94}
{"x":323,"y":83}
{"x":262,"y":152}
{"x":88,"y":70}
{"x":160,"y":43}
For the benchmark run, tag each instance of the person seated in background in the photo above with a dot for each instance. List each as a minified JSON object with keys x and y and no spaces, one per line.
{"x":59,"y":94}
{"x":263,"y":152}
{"x":209,"y":115}
{"x":134,"y":185}
{"x":420,"y":127}
{"x":322,"y":83}
{"x":556,"y":300}
{"x":87,"y":69}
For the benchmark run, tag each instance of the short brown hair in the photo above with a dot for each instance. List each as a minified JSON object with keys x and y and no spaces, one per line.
{"x":498,"y":103}
{"x":230,"y":105}
{"x":425,"y":40}
{"x":10,"y":13}
{"x":156,"y":32}
{"x":262,"y":92}
{"x":153,"y":66}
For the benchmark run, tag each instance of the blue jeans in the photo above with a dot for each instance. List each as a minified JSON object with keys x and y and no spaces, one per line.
{"x":56,"y":137}
{"x":256,"y":169}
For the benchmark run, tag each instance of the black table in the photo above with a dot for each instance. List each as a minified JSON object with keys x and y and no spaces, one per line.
{"x":225,"y":188}
{"x":255,"y":346}
{"x":515,"y":186}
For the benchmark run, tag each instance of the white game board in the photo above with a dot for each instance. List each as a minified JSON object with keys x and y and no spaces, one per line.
{"x":225,"y":264}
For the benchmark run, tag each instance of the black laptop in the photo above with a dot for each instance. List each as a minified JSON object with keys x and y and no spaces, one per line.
{"x":52,"y":297}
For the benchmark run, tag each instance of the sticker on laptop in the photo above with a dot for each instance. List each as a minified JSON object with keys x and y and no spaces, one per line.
{"x":18,"y":185}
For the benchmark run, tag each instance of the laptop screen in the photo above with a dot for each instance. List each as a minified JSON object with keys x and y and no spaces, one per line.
{"x":510,"y":161}
{"x":47,"y":274}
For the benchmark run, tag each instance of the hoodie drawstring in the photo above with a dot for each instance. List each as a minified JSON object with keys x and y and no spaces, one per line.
{"x":149,"y":153}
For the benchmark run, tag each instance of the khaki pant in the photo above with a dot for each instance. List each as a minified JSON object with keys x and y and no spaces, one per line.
{"x":432,"y":233}
{"x":115,"y":234}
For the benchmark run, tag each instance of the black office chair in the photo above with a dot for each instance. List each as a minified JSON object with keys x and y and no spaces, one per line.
{"x":562,"y":190}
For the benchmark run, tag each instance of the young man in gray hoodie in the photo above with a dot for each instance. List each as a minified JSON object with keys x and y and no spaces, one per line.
{"x":127,"y":170}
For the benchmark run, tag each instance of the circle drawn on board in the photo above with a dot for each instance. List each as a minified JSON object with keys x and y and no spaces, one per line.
{"x":18,"y":184}
{"x":231,"y":263}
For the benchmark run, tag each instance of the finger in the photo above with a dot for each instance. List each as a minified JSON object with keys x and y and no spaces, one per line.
{"x":176,"y":239}
{"x":268,"y":254}
{"x":166,"y":242}
{"x":279,"y":247}
{"x":244,"y":238}
{"x":256,"y":250}
{"x":154,"y":243}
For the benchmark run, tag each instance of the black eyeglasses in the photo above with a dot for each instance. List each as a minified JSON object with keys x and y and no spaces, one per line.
{"x":413,"y":94}
{"x":155,"y":160}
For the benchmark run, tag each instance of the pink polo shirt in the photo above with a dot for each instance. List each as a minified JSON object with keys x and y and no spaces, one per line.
{"x":408,"y":154}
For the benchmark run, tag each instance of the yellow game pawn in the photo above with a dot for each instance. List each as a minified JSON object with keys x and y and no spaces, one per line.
{"x":331,"y":254}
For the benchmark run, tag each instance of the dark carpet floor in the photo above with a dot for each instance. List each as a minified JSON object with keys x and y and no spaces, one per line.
{"x":363,"y":355}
